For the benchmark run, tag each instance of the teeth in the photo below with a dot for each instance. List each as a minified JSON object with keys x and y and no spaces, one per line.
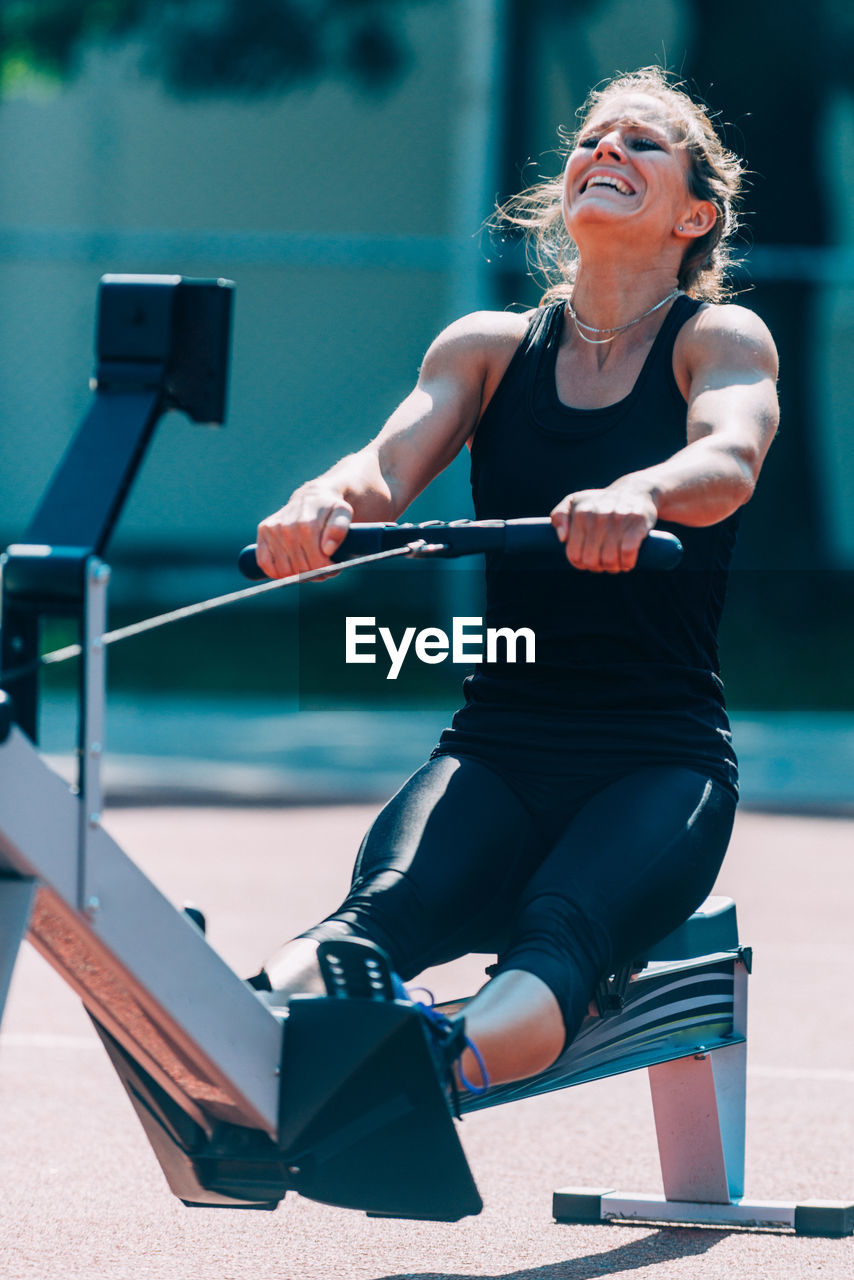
{"x":610,"y":182}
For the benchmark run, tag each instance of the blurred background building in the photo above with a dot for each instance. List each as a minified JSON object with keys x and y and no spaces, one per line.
{"x":337,"y":159}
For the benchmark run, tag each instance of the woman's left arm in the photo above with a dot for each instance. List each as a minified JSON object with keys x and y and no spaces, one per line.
{"x":726,"y":363}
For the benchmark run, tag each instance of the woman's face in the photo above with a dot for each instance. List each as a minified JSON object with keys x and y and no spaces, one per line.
{"x":628,"y":168}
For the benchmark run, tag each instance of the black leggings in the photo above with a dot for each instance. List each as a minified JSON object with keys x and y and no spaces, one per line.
{"x":565,"y":878}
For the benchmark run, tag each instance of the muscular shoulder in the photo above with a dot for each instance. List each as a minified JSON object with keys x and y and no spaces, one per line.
{"x":481,"y":337}
{"x":476,"y":350}
{"x":724,"y":337}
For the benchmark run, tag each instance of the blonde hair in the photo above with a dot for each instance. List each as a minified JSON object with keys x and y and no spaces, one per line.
{"x":714,"y":174}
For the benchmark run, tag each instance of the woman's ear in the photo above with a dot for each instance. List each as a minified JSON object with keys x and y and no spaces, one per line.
{"x":697,"y":221}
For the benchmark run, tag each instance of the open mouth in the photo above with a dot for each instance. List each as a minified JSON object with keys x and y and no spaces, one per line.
{"x":607,"y":180}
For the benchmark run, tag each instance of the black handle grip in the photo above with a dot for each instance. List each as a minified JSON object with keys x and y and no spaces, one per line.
{"x":470,"y":537}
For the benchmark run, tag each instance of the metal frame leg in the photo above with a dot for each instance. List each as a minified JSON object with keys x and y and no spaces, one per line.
{"x":699,"y":1108}
{"x":16,"y":901}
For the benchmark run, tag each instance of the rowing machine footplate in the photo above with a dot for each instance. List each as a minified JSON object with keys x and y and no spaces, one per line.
{"x":364,"y":1120}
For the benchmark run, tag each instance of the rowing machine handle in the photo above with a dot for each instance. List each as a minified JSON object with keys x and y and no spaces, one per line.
{"x":470,"y":537}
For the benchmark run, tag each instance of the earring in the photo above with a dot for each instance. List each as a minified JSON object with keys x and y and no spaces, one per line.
{"x":680,"y":227}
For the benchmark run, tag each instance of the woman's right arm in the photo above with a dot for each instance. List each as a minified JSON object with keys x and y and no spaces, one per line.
{"x":420,"y":439}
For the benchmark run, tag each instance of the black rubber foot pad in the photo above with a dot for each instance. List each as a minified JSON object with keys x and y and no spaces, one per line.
{"x":824,"y":1218}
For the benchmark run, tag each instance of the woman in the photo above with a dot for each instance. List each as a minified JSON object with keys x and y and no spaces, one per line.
{"x":578,"y":810}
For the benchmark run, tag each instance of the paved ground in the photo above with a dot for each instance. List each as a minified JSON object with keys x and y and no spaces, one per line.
{"x":83,"y":1196}
{"x":256,"y":751}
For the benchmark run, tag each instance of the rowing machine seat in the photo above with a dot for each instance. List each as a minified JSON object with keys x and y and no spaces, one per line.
{"x":713,"y":927}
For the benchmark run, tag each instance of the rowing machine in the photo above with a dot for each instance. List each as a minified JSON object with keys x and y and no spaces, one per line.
{"x":340,"y":1103}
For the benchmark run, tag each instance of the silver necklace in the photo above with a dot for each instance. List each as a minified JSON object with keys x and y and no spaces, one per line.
{"x":600,"y":342}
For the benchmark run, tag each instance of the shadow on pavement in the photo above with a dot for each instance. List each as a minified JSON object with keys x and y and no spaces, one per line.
{"x":665,"y":1245}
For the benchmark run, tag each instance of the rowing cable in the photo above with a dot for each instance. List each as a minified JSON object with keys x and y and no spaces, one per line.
{"x":418,"y":548}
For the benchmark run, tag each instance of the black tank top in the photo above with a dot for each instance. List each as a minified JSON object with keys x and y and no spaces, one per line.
{"x":627,"y":666}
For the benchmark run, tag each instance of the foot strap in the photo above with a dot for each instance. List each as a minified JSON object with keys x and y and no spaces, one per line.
{"x":358,"y":968}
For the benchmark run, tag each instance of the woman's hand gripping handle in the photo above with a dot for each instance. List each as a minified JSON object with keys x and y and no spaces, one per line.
{"x":303,"y":534}
{"x":537,"y":534}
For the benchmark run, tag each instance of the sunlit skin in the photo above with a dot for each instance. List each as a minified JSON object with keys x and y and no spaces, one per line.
{"x":631,"y":246}
{"x":633,"y":140}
